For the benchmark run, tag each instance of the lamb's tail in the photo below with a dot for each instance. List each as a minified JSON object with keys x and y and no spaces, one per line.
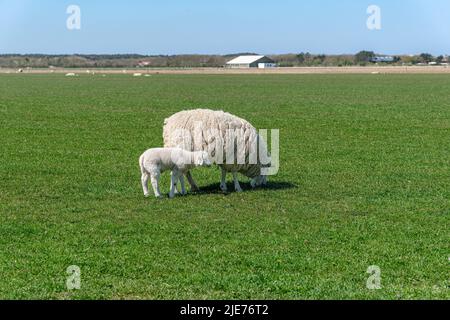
{"x":141,"y":164}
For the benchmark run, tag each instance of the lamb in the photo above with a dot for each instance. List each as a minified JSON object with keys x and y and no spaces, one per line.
{"x":208,"y":130}
{"x":157,"y":160}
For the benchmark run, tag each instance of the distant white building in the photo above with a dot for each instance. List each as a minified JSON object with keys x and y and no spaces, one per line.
{"x":144,"y":64}
{"x":243,"y":62}
{"x":382,"y":59}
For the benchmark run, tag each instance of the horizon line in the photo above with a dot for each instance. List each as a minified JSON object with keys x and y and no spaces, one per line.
{"x":213,"y":54}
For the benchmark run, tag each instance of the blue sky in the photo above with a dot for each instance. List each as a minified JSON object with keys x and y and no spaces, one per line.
{"x":214,"y":26}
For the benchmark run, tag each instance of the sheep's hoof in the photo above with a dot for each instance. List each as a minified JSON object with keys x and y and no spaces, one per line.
{"x":146,"y":195}
{"x":239,"y":190}
{"x":160,"y":197}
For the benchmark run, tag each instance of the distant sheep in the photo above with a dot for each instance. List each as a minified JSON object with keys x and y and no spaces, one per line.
{"x":155,"y":161}
{"x":212,"y":131}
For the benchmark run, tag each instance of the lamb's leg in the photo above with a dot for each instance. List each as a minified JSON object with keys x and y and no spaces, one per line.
{"x":191,"y":181}
{"x":237,"y":186}
{"x":173,"y":184}
{"x":155,"y":184}
{"x":183,"y":187}
{"x":223,"y":181}
{"x":144,"y":180}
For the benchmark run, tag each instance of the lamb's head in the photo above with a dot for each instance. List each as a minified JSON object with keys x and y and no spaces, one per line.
{"x":258,"y":173}
{"x":201,"y":158}
{"x":258,"y":181}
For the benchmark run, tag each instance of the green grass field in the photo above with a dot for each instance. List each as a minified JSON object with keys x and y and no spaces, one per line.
{"x":364,"y":180}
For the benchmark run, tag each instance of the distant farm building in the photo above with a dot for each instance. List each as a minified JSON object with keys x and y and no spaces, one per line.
{"x":144,"y":64}
{"x":382,"y":59}
{"x":243,"y":62}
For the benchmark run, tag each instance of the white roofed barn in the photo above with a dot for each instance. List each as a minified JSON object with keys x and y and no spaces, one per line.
{"x":250,"y":62}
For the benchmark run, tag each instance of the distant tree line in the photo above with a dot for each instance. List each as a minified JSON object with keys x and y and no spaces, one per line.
{"x":194,"y":61}
{"x":362,"y":58}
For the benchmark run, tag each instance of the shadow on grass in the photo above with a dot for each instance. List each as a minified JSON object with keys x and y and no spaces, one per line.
{"x":214,"y":188}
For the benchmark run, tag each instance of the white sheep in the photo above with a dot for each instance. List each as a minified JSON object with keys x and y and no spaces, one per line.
{"x":157,"y":160}
{"x":209,"y":130}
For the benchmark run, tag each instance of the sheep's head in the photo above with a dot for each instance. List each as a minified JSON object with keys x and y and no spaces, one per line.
{"x":202,"y":159}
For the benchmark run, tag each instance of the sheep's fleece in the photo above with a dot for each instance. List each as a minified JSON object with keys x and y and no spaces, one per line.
{"x":205,"y":127}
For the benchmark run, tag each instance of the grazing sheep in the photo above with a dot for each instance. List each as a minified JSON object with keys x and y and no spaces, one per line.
{"x":208,"y":130}
{"x":155,"y":161}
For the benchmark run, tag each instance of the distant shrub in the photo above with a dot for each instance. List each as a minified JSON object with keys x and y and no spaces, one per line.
{"x":286,"y":64}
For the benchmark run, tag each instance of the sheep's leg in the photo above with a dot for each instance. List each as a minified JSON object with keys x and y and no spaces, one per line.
{"x":191,"y":181}
{"x":155,"y":184}
{"x":223,"y":181}
{"x":144,"y":180}
{"x":173,"y":185}
{"x":183,"y":187}
{"x":176,"y":191}
{"x":237,"y":186}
